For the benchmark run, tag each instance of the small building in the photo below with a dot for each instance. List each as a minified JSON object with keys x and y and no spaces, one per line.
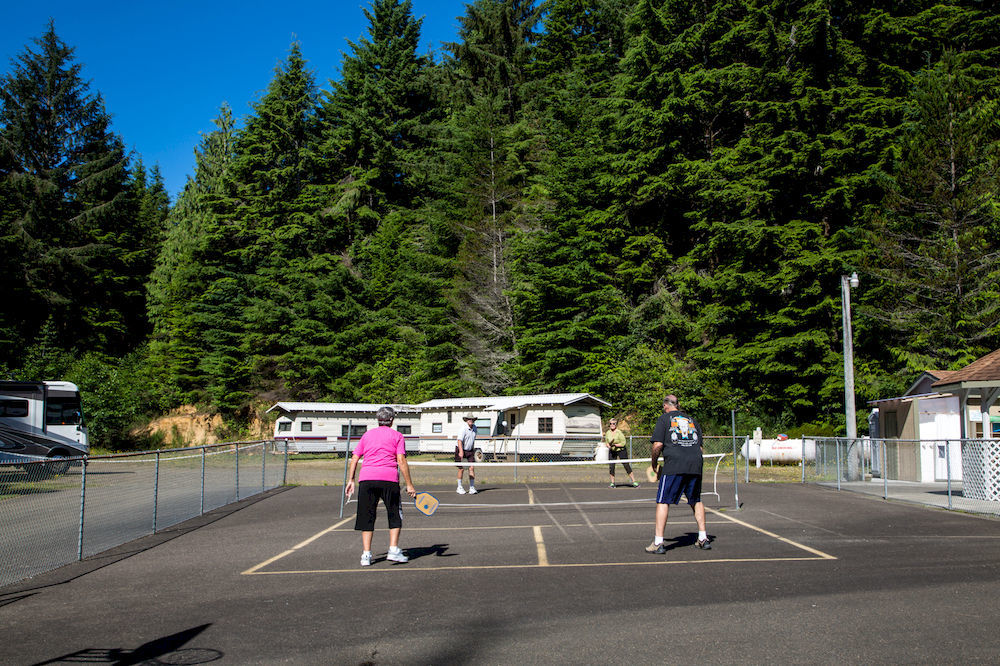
{"x":922,"y":420}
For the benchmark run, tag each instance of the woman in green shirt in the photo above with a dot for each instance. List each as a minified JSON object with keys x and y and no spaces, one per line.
{"x":617,"y":450}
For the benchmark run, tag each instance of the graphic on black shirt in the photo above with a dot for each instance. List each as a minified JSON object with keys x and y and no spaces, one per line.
{"x":683,"y":431}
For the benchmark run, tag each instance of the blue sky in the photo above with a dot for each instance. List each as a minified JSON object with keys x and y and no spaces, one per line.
{"x":165,"y":68}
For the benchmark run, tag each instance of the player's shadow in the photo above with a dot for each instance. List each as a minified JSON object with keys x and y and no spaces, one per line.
{"x":437,"y":550}
{"x":688,"y":539}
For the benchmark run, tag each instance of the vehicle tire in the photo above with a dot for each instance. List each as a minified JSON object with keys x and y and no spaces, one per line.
{"x":478,"y":455}
{"x":57,"y":466}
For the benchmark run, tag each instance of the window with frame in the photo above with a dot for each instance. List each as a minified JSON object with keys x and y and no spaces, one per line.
{"x":449,"y":417}
{"x":544,"y":425}
{"x":403,"y":429}
{"x":436,"y":428}
{"x":284,"y":426}
{"x":14,"y":408}
{"x":306,"y":426}
{"x":356,"y":430}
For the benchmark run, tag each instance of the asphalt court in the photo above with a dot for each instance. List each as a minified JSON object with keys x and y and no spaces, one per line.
{"x":536,"y":526}
{"x":800,"y":574}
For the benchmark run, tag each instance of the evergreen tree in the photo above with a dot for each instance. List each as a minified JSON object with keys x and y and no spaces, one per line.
{"x":936,"y":245}
{"x":67,"y":227}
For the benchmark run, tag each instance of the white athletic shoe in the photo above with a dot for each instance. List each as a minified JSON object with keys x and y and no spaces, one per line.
{"x":396,"y":555}
{"x":472,"y":490}
{"x":460,"y":490}
{"x":366,"y":558}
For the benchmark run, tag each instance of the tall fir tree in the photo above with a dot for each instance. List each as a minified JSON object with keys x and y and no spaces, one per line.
{"x":67,"y":222}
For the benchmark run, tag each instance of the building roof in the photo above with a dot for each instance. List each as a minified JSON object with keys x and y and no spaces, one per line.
{"x":337,"y":407}
{"x":983,"y":370}
{"x":503,"y":403}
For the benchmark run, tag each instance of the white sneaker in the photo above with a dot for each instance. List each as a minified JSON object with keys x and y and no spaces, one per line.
{"x":396,"y":555}
{"x":460,"y":490}
{"x":472,"y":490}
{"x":366,"y":558}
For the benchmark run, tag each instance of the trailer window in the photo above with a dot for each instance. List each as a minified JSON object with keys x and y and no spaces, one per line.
{"x":436,"y":427}
{"x":403,"y":430}
{"x":306,"y":426}
{"x":14,"y":408}
{"x":356,"y":430}
{"x":284,"y":426}
{"x":545,"y":425}
{"x":63,"y":411}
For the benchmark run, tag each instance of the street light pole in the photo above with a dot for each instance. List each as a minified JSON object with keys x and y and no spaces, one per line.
{"x":846,"y":282}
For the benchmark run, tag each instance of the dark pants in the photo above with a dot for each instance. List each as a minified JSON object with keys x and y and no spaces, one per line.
{"x":618,"y":454}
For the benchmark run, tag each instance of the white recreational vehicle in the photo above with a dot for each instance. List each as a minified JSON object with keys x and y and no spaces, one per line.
{"x":557,"y":424}
{"x":41,"y":420}
{"x":326,"y":427}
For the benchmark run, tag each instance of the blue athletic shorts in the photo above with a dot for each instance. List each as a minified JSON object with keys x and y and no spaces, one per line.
{"x":672,"y":486}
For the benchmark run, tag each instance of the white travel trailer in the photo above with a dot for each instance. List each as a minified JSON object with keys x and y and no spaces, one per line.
{"x":41,"y":420}
{"x":325,"y":427}
{"x":559,"y":424}
{"x":555,"y":424}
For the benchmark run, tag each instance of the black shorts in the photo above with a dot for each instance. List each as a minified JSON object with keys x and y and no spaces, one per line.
{"x":461,"y":454}
{"x":369,"y":493}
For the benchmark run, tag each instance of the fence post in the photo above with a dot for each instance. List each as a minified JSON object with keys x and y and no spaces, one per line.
{"x":838,"y":463}
{"x":156,"y":489}
{"x":83,"y":505}
{"x":885,"y":471}
{"x":947,"y":455}
{"x":803,"y":463}
{"x":736,"y":481}
{"x":263,"y":466}
{"x":202,"y":507}
{"x":284,"y":471}
{"x":237,"y":445}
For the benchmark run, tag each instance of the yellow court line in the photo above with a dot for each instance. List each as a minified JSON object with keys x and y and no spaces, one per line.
{"x":543,"y":558}
{"x":825,"y":556}
{"x":291,"y":550}
{"x":657,"y":563}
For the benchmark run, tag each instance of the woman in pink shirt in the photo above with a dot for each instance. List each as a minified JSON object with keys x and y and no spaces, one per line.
{"x":384,"y":451}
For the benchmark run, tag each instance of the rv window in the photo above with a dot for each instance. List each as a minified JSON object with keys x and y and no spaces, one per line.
{"x":436,"y":427}
{"x":62,"y":411}
{"x":544,"y":425}
{"x":284,"y":426}
{"x":14,"y":408}
{"x":356,"y":430}
{"x":403,"y":430}
{"x":306,"y":426}
{"x":449,"y":417}
{"x":483,"y":427}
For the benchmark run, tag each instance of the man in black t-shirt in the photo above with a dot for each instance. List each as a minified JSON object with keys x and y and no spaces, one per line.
{"x":678,"y":437}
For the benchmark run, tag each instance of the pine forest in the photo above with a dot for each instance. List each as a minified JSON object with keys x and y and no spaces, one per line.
{"x":620,"y":198}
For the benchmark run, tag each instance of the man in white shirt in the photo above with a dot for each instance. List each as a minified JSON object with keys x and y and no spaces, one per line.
{"x":465,"y":450}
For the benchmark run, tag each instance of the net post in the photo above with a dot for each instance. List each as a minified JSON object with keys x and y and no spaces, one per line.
{"x":347,"y":452}
{"x":885,"y":472}
{"x":736,"y":474}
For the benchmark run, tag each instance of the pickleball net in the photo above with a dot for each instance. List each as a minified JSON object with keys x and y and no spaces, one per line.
{"x":441,"y":475}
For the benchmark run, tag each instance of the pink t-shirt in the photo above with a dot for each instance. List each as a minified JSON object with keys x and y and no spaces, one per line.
{"x":379,"y":448}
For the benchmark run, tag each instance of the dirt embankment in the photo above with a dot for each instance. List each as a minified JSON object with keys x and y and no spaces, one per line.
{"x":187,"y":426}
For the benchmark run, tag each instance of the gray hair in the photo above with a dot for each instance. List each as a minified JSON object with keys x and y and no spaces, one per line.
{"x":385,"y":415}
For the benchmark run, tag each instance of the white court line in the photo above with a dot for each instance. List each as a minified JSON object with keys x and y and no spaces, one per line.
{"x":542,"y":553}
{"x":825,"y":556}
{"x":291,"y":550}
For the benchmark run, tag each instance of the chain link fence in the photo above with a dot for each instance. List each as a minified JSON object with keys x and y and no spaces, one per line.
{"x":54,"y":513}
{"x":955,"y":474}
